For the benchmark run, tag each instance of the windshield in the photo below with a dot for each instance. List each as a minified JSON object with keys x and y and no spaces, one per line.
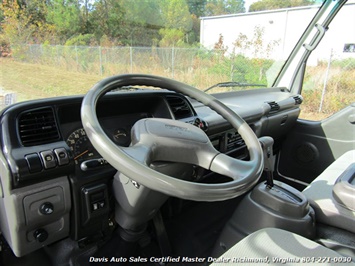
{"x":57,"y":48}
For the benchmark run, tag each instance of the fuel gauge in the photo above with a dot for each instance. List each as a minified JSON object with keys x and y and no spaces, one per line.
{"x":122,"y":137}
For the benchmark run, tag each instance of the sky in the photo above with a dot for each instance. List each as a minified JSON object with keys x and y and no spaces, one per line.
{"x":248,"y":3}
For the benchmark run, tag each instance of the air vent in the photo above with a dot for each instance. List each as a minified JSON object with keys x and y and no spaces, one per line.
{"x":38,"y":127}
{"x":179,"y":106}
{"x":298,"y":99}
{"x":274,"y":107}
{"x":234,"y":141}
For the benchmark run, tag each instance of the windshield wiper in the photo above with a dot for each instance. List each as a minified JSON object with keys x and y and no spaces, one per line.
{"x":234,"y":84}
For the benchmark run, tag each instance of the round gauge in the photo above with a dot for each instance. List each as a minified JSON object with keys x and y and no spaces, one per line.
{"x":81,"y":146}
{"x":121,"y":137}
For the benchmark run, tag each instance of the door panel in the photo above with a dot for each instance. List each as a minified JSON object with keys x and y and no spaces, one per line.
{"x":312,"y":146}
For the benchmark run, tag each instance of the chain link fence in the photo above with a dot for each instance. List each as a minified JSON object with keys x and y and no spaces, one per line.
{"x":329,"y":85}
{"x":197,"y":66}
{"x":116,"y":60}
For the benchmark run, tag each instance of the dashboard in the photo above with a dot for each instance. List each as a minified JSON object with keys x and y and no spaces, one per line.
{"x":54,"y":184}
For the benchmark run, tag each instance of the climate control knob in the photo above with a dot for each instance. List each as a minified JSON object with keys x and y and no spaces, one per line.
{"x":40,"y":235}
{"x":46,"y":208}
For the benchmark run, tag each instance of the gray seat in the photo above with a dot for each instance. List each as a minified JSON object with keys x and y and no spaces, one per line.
{"x":320,"y":194}
{"x":275,"y":246}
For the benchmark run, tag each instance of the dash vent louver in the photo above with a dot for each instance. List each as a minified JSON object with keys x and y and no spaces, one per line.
{"x":37,"y":127}
{"x":298,"y":99}
{"x":179,"y":107}
{"x":274,"y":107}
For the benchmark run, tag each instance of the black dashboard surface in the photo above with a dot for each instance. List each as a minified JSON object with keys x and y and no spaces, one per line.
{"x":267,"y":111}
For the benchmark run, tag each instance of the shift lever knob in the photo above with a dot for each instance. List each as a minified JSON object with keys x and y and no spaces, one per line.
{"x":266,"y":144}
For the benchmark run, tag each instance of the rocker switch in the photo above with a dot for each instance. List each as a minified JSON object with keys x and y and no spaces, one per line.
{"x":62,"y":156}
{"x":48,"y":159}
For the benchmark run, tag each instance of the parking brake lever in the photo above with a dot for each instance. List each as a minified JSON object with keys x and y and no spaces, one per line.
{"x":266,"y":144}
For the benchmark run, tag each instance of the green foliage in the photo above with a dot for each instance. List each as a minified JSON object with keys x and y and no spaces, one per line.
{"x":277,"y":4}
{"x":2,"y":17}
{"x":142,"y":12}
{"x":24,"y":22}
{"x":141,"y":23}
{"x":242,"y":69}
{"x":176,"y":15}
{"x":107,"y":18}
{"x":178,"y":23}
{"x":81,"y":40}
{"x":65,"y":16}
{"x":346,"y":64}
{"x":171,"y":38}
{"x":224,"y":7}
{"x":122,"y":22}
{"x":197,"y":7}
{"x":4,"y":47}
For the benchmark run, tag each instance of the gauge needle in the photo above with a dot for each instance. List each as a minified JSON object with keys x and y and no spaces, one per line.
{"x":81,"y":154}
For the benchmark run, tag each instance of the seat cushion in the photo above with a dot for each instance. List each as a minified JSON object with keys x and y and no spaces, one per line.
{"x":320,"y":195}
{"x":275,"y":246}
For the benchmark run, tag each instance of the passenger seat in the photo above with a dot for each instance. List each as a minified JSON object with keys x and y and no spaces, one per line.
{"x":332,"y":193}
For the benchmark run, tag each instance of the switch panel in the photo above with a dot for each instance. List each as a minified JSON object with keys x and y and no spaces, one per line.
{"x":96,"y":201}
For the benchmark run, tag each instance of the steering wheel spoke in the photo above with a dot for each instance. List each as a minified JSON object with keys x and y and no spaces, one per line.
{"x":231,"y":167}
{"x":140,"y":153}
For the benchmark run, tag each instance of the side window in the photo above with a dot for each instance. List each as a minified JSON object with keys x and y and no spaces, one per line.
{"x":329,"y":82}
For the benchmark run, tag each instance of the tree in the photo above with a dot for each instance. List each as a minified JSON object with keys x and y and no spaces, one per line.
{"x":107,"y":19}
{"x":171,"y":37}
{"x":197,"y":7}
{"x":142,"y":12}
{"x":277,"y":4}
{"x":176,"y":15}
{"x":25,"y":22}
{"x":178,"y":22}
{"x":142,"y":22}
{"x":1,"y":15}
{"x":224,"y":7}
{"x":65,"y":17}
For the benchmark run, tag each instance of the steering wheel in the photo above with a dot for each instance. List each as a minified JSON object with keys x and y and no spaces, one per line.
{"x":155,"y":139}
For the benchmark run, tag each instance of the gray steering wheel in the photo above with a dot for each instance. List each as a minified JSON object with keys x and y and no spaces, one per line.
{"x":155,"y":139}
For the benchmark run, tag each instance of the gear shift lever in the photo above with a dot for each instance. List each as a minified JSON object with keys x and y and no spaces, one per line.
{"x":266,"y":144}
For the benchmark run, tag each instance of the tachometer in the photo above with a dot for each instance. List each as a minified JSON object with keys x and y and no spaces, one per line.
{"x":81,"y":146}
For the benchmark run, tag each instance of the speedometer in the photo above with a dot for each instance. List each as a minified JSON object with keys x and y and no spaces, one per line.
{"x":81,"y":146}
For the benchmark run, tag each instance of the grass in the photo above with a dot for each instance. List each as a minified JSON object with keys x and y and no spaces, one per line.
{"x":33,"y":81}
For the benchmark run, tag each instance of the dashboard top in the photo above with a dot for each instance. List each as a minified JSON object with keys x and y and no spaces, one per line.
{"x":47,"y":138}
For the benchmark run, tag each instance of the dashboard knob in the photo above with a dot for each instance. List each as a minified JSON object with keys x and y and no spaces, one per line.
{"x":40,"y":235}
{"x":46,"y":208}
{"x":200,"y":123}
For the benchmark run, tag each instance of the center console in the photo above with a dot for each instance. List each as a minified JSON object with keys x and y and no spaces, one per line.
{"x":270,"y":204}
